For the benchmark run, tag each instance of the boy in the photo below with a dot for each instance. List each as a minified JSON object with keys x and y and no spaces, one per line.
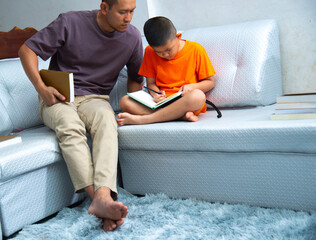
{"x":170,"y":64}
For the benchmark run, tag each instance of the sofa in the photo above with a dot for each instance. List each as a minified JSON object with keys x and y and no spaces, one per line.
{"x":242,"y":157}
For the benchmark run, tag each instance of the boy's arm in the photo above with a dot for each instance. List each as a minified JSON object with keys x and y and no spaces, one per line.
{"x":151,"y":83}
{"x":204,"y":85}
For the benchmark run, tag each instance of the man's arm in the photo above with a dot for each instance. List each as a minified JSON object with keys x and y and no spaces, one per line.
{"x":30,"y":64}
{"x":132,"y":86}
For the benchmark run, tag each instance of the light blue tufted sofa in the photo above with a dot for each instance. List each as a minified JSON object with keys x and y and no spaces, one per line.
{"x":242,"y":157}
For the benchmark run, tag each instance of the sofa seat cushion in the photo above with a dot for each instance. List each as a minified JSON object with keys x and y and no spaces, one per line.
{"x":239,"y":130}
{"x":39,"y":148}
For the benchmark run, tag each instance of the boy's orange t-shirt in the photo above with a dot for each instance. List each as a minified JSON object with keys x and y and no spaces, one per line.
{"x":190,"y":65}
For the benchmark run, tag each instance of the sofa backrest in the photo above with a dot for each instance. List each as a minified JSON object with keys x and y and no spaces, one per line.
{"x":246,"y":58}
{"x":18,"y":98}
{"x":119,"y":90}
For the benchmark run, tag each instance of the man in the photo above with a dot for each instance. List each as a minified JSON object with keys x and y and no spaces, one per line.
{"x":95,"y":46}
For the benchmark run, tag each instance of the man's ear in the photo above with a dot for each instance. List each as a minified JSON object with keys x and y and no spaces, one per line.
{"x":179,"y":35}
{"x":104,"y":7}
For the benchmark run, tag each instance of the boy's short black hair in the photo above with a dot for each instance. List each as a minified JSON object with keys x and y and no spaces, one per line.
{"x":110,"y":2}
{"x":158,"y":31}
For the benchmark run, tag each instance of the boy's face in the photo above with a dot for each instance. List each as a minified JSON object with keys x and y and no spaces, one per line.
{"x":170,"y":49}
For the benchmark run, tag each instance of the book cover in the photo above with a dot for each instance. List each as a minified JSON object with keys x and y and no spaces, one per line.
{"x":295,"y":105}
{"x":146,"y":99}
{"x":291,"y":98}
{"x":9,"y":140}
{"x":62,"y":81}
{"x":293,"y":116}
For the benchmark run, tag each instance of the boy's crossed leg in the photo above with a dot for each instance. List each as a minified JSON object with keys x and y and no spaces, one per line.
{"x":182,"y":109}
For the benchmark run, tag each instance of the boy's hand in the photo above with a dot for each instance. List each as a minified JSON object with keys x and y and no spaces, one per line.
{"x":186,"y":88}
{"x":204,"y":85}
{"x":159,"y":97}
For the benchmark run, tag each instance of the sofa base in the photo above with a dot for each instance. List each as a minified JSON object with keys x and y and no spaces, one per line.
{"x":267,"y":179}
{"x":33,"y":196}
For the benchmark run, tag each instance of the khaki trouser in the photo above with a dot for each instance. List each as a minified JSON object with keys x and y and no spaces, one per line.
{"x":70,"y":121}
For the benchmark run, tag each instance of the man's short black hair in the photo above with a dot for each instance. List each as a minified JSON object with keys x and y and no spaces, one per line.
{"x":158,"y":31}
{"x":110,"y":2}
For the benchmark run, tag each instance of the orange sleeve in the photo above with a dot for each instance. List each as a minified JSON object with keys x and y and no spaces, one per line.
{"x":147,"y":68}
{"x":204,"y":68}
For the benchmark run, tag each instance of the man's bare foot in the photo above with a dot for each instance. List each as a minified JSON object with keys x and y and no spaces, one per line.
{"x":110,"y":225}
{"x":128,"y":119}
{"x":103,"y":206}
{"x":191,"y":117}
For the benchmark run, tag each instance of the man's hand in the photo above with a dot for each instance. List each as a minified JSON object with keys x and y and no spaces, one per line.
{"x":51,"y":96}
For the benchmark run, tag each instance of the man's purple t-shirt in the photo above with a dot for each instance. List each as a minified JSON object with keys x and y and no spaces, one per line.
{"x":78,"y":45}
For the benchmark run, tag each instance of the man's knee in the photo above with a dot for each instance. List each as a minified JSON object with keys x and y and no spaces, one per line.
{"x":102,"y":118}
{"x":69,"y":126}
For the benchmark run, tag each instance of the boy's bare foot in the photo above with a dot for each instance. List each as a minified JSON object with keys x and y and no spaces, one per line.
{"x":127,"y":119}
{"x":110,"y":225}
{"x":191,"y":117}
{"x":103,"y":206}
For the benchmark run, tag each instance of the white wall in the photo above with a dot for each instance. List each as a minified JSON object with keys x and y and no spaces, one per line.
{"x":39,"y":13}
{"x":296,"y":20}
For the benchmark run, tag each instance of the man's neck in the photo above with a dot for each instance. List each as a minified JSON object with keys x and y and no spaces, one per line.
{"x":101,"y":22}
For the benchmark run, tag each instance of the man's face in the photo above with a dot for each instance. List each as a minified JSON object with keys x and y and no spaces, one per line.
{"x":120,"y":15}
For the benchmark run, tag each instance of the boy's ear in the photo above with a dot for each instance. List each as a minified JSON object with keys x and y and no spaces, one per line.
{"x":179,"y":35}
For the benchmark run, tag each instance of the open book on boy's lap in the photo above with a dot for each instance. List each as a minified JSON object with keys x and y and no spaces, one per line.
{"x":146,"y":99}
{"x":63,"y":82}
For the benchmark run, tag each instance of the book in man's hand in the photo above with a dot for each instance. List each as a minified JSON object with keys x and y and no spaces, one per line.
{"x":146,"y":99}
{"x":8,"y":140}
{"x":63,"y":82}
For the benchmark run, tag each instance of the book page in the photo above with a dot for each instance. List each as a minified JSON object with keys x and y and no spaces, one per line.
{"x":146,"y":99}
{"x":143,"y":97}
